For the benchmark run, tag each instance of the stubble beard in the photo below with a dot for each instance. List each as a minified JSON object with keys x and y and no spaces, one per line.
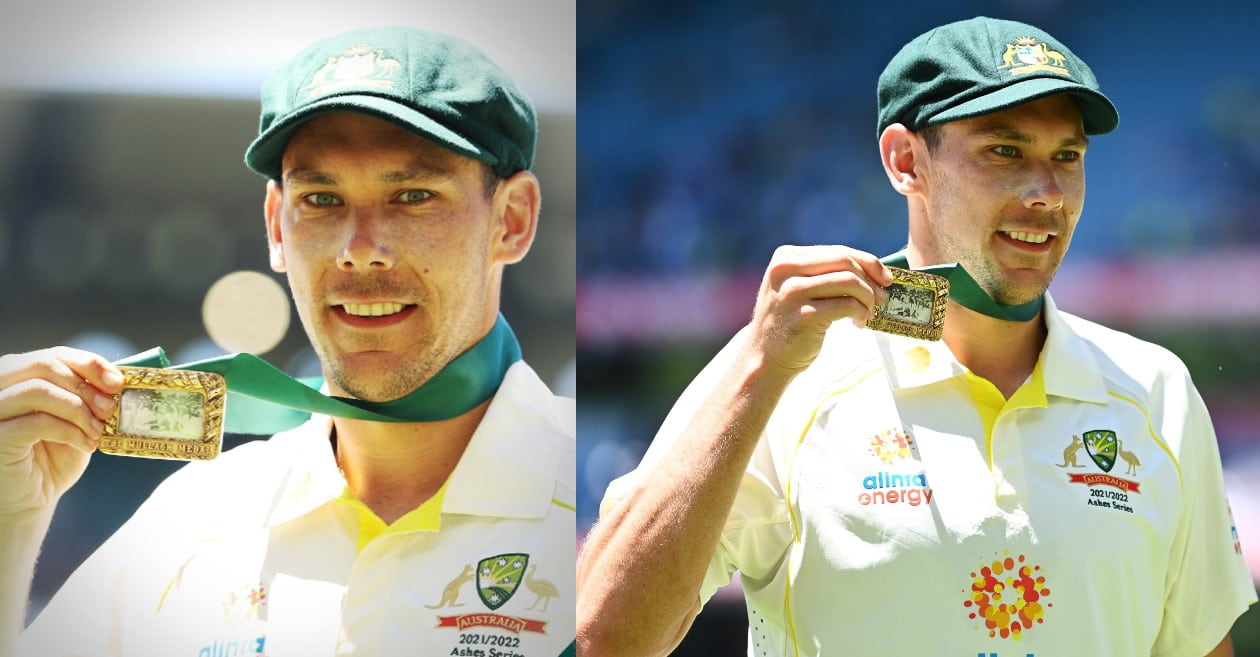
{"x":383,"y":386}
{"x":979,"y":262}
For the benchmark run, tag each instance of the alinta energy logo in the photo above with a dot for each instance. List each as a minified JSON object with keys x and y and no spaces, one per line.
{"x":891,"y":447}
{"x":1007,"y":596}
{"x":242,"y":605}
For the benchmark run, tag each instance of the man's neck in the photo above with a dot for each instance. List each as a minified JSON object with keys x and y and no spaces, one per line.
{"x":1003,"y":352}
{"x":394,"y":468}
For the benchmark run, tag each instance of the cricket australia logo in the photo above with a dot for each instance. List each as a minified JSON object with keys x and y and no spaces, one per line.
{"x":359,"y":66}
{"x":1104,"y":448}
{"x":1027,"y":56}
{"x":1101,"y":446}
{"x":498,"y":579}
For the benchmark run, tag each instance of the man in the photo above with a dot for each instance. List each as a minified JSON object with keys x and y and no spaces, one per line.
{"x":885,"y":495}
{"x":398,"y":190}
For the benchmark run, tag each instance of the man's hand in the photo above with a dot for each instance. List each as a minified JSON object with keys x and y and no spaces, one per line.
{"x":804,"y":290}
{"x":52,"y":403}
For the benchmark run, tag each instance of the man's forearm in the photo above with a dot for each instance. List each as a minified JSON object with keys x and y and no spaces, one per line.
{"x":641,"y":569}
{"x":20,"y":540}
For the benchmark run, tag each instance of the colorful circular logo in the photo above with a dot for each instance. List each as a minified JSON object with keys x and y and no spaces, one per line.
{"x":891,"y":445}
{"x":1007,"y":596}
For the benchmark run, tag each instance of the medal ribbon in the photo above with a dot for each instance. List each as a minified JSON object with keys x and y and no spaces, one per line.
{"x":964,"y":290}
{"x":262,"y":399}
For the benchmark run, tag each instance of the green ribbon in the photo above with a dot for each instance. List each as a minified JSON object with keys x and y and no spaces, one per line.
{"x":264,"y":400}
{"x":964,"y":290}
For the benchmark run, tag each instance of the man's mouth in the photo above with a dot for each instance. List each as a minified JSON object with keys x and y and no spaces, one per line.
{"x":1030,"y":238}
{"x":372,"y":309}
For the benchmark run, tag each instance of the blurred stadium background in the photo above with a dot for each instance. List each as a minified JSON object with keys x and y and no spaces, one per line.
{"x":712,"y":131}
{"x":123,"y":195}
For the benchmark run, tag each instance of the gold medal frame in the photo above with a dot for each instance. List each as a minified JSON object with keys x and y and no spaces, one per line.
{"x":167,"y":414}
{"x":915,"y":307}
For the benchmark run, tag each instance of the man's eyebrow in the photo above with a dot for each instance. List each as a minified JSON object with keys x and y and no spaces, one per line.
{"x":308,"y":176}
{"x":1004,"y":134}
{"x":413,"y":174}
{"x":1008,"y":134}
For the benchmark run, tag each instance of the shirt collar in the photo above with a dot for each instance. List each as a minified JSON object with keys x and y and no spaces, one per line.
{"x":1070,"y":368}
{"x":314,"y":478}
{"x":509,"y":469}
{"x":512,"y":464}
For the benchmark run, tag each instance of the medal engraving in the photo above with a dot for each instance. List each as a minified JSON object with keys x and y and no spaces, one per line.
{"x":167,"y":414}
{"x":915,"y":307}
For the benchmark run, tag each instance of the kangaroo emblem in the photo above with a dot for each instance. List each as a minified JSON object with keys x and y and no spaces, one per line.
{"x":1008,"y":57}
{"x":1069,"y":453}
{"x":451,"y":593}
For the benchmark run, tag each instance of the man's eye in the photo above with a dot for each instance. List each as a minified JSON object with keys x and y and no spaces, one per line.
{"x":1006,"y":151}
{"x":1069,"y":156}
{"x":414,"y":196}
{"x":322,"y":199}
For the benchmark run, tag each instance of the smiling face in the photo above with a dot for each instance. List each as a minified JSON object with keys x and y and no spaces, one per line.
{"x":394,"y":249}
{"x":1001,"y":194}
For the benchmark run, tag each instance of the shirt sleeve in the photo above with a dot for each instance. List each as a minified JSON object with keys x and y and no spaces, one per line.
{"x":1208,"y":585}
{"x":757,"y":531}
{"x":87,"y":615}
{"x":122,"y":585}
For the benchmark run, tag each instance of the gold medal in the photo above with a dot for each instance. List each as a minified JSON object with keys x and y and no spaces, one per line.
{"x":915,"y":307}
{"x":167,"y":414}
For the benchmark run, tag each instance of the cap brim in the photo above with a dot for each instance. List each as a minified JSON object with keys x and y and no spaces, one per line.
{"x":1097,"y":113}
{"x":264,"y":155}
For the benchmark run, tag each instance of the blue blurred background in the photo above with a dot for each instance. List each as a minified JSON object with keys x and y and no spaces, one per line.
{"x":713,"y":131}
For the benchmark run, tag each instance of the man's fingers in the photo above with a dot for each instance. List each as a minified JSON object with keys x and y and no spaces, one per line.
{"x":58,"y":374}
{"x":40,"y":396}
{"x":834,"y":285}
{"x":46,"y":363}
{"x":792,"y":261}
{"x":831,"y":309}
{"x":94,"y":369}
{"x":875,"y":269}
{"x":25,"y":431}
{"x":89,"y":376}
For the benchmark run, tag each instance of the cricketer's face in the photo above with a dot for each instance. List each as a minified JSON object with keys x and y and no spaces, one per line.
{"x":1003,"y":193}
{"x":394,"y":250}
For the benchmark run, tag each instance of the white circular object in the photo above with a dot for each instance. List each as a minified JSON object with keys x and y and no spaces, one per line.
{"x":246,"y":311}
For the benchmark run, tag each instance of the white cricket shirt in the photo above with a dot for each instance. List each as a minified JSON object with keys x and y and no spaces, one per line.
{"x":898,"y":505}
{"x":265,"y":552}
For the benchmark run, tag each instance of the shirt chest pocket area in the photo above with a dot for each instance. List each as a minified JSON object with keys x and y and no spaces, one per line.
{"x":1105,"y":474}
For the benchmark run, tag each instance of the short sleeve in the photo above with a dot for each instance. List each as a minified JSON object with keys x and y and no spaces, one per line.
{"x":87,"y":616}
{"x":121,"y":586}
{"x":1208,"y":585}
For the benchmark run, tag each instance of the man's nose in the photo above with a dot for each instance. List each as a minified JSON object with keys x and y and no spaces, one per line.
{"x":366,"y":247}
{"x":1045,"y":190}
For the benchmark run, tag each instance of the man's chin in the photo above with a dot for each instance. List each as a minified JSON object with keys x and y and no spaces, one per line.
{"x":375,"y":391}
{"x":377,"y":384}
{"x":1019,"y":297}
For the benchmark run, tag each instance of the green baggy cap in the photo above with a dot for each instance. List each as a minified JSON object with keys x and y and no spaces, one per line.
{"x":439,"y":87}
{"x":984,"y":65}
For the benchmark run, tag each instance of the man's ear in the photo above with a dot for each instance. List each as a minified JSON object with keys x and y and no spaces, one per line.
{"x":271,"y":211}
{"x":900,"y":151}
{"x":516,"y":204}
